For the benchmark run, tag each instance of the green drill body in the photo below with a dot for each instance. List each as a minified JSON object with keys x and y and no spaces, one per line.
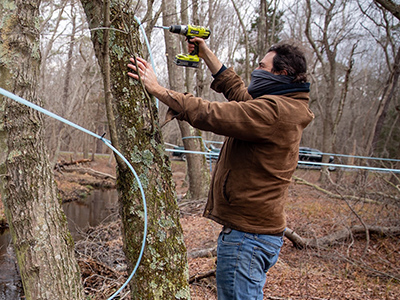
{"x":192,"y":59}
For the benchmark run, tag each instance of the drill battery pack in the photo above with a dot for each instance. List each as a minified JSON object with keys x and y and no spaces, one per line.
{"x":187,"y":60}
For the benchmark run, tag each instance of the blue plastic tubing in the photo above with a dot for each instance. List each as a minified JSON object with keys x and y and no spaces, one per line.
{"x":108,"y":144}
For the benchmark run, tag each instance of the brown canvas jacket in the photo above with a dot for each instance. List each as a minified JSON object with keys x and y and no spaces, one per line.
{"x":250,"y":181}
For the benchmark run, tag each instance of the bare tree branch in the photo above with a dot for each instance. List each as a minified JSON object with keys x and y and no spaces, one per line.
{"x":390,"y":6}
{"x":246,"y":39}
{"x":333,"y":195}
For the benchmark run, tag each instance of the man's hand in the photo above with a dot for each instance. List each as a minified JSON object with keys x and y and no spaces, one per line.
{"x":205,"y":53}
{"x":146,"y":73}
{"x":203,"y":48}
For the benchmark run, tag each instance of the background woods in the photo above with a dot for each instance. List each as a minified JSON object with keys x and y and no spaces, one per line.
{"x":353,"y":52}
{"x":352,"y":49}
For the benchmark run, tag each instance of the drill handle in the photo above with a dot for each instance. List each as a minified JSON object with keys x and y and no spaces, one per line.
{"x":196,"y":46}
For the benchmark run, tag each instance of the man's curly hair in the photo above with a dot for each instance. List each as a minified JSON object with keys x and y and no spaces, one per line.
{"x":290,"y":58}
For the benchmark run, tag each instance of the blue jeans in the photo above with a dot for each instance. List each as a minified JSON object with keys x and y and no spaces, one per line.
{"x":243,"y":260}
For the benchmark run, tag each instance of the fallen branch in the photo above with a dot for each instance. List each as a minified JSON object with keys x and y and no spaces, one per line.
{"x":62,"y":164}
{"x":322,"y":242}
{"x":300,"y":242}
{"x":363,"y":265}
{"x":90,"y":172}
{"x":330,"y":194}
{"x":338,"y":237}
{"x":200,"y":276}
{"x":210,"y":252}
{"x":392,"y":197}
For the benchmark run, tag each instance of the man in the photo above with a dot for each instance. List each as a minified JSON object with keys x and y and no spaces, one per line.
{"x":263,"y":125}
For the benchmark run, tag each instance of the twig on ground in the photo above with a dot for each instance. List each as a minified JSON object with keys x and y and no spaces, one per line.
{"x":200,"y":276}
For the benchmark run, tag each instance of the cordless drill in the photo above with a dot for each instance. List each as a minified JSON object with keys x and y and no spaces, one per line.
{"x":192,"y":59}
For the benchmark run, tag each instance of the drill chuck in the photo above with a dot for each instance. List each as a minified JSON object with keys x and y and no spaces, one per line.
{"x":179,"y":29}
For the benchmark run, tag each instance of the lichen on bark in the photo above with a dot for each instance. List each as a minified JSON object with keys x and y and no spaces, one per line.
{"x":40,"y":236}
{"x":163,"y":272}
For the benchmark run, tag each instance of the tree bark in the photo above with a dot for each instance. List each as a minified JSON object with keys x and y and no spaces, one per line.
{"x":388,"y":95}
{"x":262,"y":32}
{"x":163,"y":273}
{"x":246,"y":44}
{"x":391,"y":6}
{"x":38,"y":226}
{"x":66,"y":88}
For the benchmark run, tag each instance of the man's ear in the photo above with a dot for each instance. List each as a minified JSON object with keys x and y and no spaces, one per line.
{"x":283,"y":72}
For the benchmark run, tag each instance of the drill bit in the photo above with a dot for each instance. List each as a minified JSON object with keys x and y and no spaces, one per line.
{"x":162,"y":27}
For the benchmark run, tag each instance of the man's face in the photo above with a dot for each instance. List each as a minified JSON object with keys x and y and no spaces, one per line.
{"x":266,"y":63}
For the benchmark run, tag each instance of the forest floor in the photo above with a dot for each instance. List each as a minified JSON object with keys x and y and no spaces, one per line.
{"x":355,"y":269}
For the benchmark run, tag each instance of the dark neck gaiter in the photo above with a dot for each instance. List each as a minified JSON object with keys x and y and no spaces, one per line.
{"x":266,"y":83}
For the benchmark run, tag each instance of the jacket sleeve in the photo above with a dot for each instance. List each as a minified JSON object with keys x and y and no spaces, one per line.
{"x":231,"y":85}
{"x":252,"y":120}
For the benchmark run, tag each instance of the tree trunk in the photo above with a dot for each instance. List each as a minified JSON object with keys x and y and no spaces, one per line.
{"x":387,"y":96}
{"x":246,"y":44}
{"x":38,"y":226}
{"x":262,"y":32}
{"x":391,"y":6}
{"x":164,"y":271}
{"x":66,"y":88}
